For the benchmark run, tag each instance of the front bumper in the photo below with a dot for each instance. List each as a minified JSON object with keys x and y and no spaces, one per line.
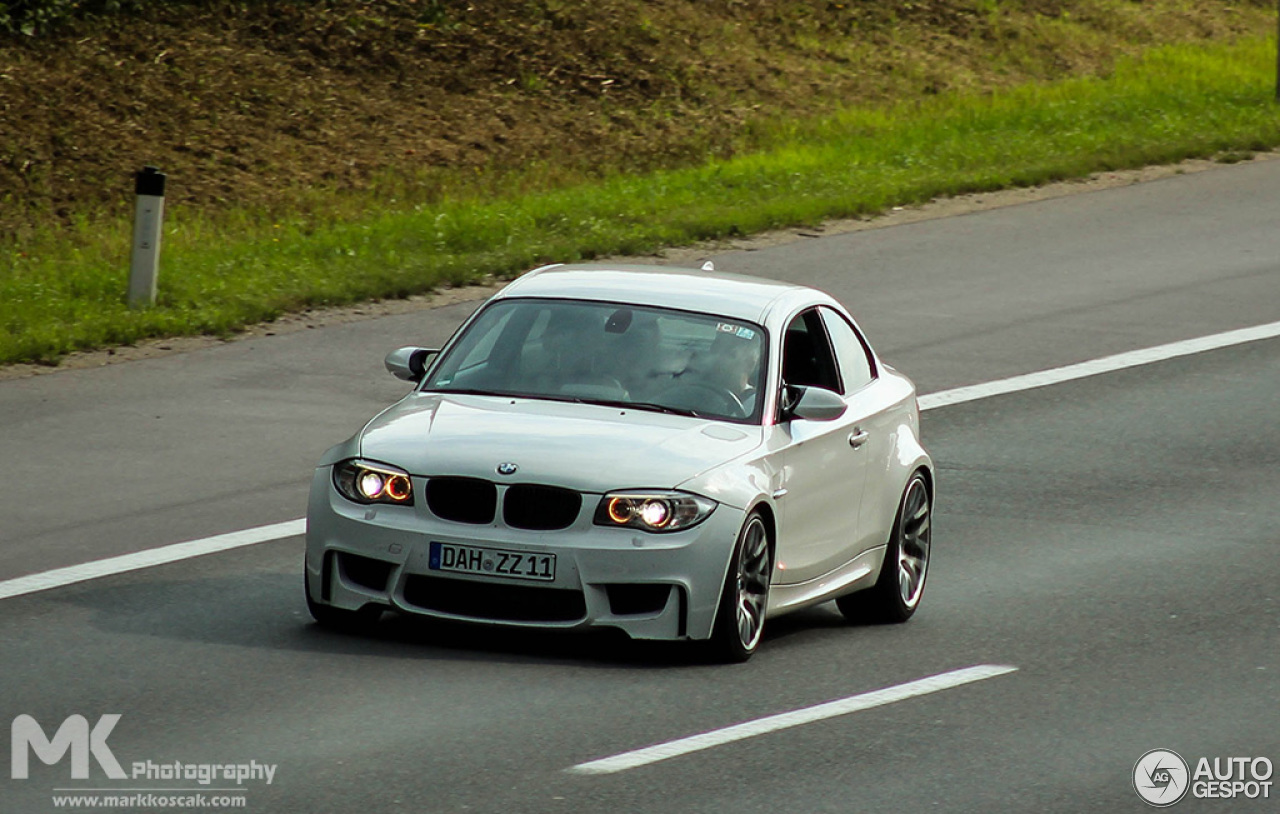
{"x":651,"y":586}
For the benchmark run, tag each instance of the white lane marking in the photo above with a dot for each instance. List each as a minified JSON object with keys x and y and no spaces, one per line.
{"x":786,"y":720}
{"x":265,"y":534}
{"x":145,"y":559}
{"x":1094,"y":367}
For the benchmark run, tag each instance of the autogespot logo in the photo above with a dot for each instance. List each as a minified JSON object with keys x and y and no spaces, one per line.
{"x":1161,"y":777}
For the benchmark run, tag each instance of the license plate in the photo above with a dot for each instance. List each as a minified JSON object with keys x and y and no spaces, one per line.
{"x":492,"y":562}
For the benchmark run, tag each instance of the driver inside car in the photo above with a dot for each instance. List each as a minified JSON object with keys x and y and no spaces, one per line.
{"x":731,"y":364}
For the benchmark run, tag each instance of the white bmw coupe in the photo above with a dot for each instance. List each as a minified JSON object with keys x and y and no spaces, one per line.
{"x":678,"y":454}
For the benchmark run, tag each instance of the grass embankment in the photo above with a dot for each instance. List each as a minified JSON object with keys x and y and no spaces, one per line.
{"x":60,"y":291}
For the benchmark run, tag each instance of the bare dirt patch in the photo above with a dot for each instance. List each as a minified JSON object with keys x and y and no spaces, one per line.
{"x":271,"y":106}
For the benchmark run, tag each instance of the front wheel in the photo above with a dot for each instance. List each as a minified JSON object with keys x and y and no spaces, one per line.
{"x":745,"y":598}
{"x":896,"y":594}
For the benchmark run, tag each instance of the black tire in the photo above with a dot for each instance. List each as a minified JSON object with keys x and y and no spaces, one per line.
{"x":333,"y":618}
{"x":739,"y":625}
{"x":898,"y":590}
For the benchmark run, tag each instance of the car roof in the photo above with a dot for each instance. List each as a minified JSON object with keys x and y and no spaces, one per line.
{"x":731,"y":295}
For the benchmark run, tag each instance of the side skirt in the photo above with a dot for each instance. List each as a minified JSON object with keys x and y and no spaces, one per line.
{"x":860,"y":572}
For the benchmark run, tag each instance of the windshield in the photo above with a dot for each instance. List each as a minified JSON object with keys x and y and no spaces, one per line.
{"x":605,"y":353}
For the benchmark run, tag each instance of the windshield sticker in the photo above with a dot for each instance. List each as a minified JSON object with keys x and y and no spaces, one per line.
{"x":737,"y":330}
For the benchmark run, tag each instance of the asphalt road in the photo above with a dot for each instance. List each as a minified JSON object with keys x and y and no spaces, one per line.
{"x":1112,"y":538}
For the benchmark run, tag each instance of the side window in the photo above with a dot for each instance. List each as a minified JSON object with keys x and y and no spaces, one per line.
{"x":851,"y":352}
{"x":806,"y":354}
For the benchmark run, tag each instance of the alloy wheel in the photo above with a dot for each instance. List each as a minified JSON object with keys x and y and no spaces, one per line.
{"x":913,"y":545}
{"x":753,"y":583}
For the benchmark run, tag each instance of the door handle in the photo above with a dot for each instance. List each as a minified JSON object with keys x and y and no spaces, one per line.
{"x":858,"y":437}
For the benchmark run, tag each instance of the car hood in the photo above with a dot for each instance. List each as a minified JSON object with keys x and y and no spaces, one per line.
{"x":580,"y":446}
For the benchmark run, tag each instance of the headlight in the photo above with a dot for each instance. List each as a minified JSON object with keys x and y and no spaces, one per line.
{"x":653,"y":511}
{"x":368,"y":482}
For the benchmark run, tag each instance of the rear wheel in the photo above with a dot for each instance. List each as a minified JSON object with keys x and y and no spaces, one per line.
{"x":739,"y":623}
{"x":896,"y":594}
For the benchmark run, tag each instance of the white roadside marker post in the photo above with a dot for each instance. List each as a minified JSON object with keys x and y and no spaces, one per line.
{"x":145,"y":263}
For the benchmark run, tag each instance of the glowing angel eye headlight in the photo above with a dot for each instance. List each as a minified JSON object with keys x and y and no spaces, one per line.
{"x":368,"y":482}
{"x":620,"y":510}
{"x":653,"y":511}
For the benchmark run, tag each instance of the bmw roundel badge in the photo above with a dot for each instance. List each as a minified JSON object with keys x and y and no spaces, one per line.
{"x":507,"y":468}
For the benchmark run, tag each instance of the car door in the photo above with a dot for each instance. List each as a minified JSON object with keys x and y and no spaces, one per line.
{"x":823,"y":470}
{"x":874,"y":424}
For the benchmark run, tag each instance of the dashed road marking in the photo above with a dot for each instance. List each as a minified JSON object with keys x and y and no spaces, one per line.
{"x":786,"y":720}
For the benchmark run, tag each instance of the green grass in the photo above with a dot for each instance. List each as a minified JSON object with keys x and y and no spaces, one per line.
{"x":61,"y":292}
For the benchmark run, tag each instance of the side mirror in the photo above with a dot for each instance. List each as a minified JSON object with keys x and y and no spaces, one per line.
{"x":410,"y":364}
{"x":817,"y":404}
